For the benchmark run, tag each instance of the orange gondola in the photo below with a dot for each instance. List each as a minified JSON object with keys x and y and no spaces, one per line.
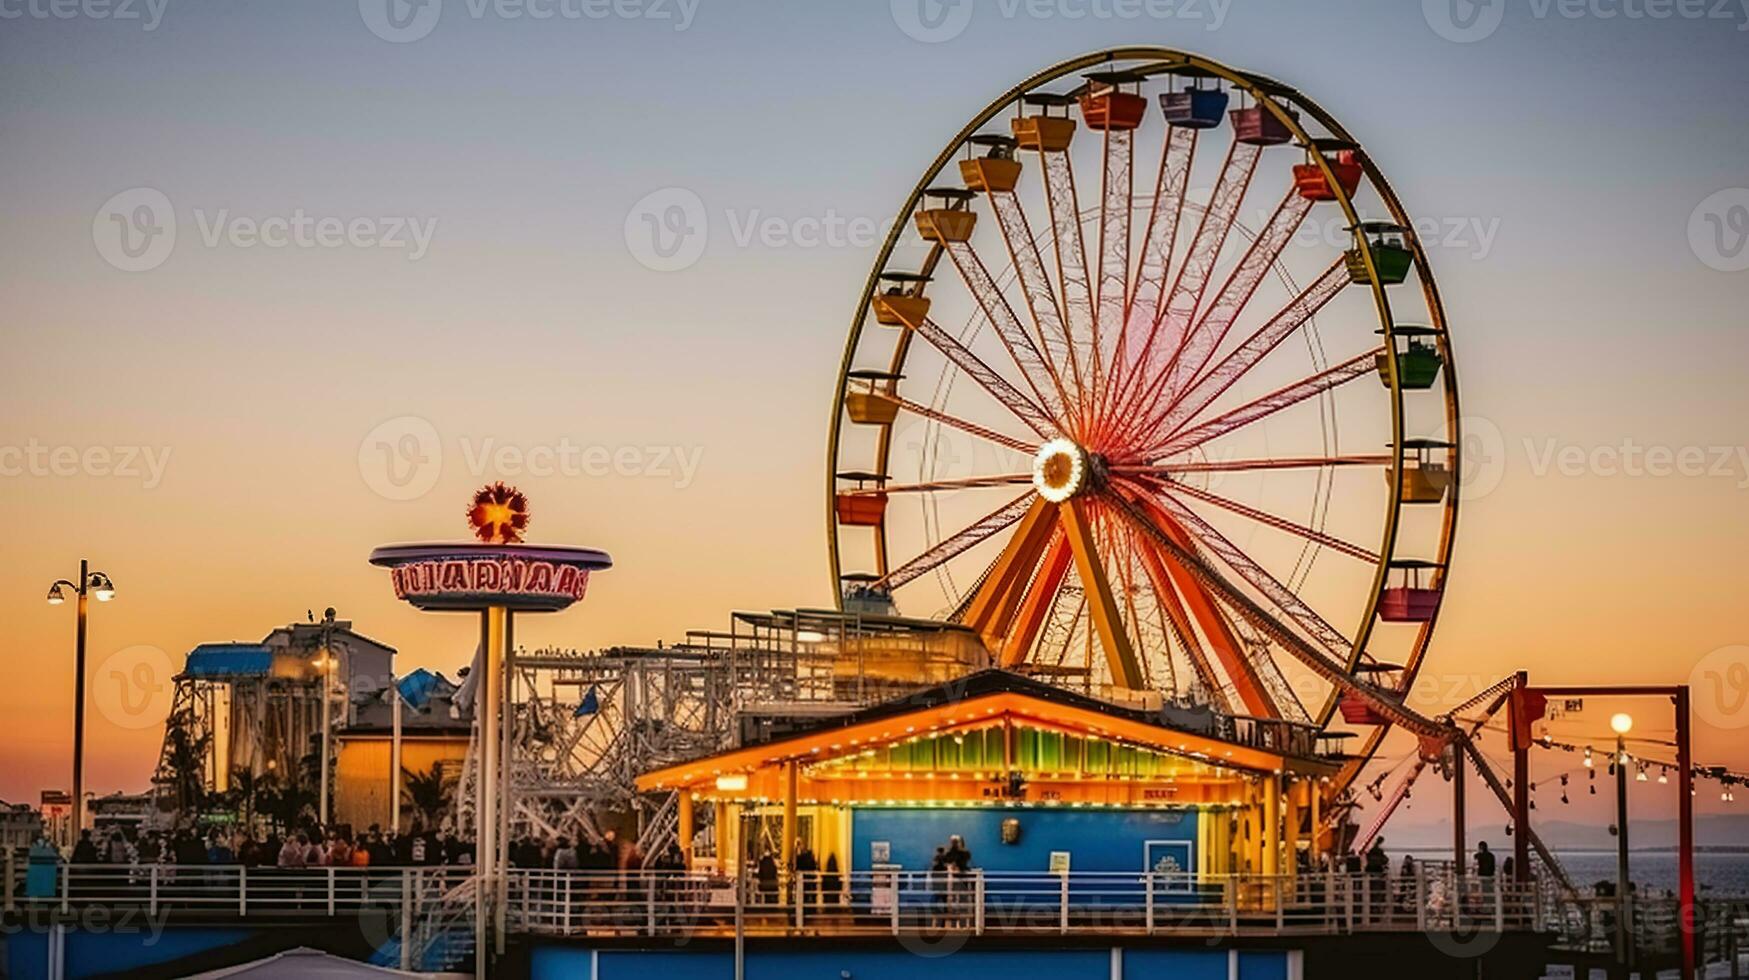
{"x":1425,"y":480}
{"x":951,"y":220}
{"x":995,"y":171}
{"x":1045,"y":130}
{"x":869,"y":397}
{"x":900,"y":301}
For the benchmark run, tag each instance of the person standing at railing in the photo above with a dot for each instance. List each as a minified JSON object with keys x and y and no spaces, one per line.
{"x":293,"y":855}
{"x":831,"y":883}
{"x":766,"y":871}
{"x":804,"y":867}
{"x":85,"y":851}
{"x":1484,"y":861}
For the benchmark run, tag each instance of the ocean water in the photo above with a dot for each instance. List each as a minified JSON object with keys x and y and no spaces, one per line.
{"x":1714,"y":872}
{"x":1724,"y":874}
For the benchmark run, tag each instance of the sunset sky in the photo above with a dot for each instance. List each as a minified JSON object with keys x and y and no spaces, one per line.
{"x":210,"y":430}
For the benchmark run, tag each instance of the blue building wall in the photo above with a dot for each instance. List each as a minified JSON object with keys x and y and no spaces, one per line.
{"x":1096,"y":839}
{"x":89,"y":953}
{"x":573,"y":963}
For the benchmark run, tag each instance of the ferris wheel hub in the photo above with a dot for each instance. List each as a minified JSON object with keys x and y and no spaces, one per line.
{"x":1061,"y":469}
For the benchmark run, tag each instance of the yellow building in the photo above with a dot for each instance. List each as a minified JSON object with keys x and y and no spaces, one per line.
{"x":434,"y":734}
{"x":1031,"y":776}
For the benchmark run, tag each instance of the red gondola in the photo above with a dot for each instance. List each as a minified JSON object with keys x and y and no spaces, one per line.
{"x":861,"y":507}
{"x":1358,"y":711}
{"x":1258,"y":126}
{"x":1105,"y":105}
{"x":1410,"y":602}
{"x":1344,"y":165}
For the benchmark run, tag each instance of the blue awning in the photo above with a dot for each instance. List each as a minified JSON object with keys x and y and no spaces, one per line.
{"x":229,"y":660}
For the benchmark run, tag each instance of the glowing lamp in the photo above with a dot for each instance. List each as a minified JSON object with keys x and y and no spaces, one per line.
{"x":734,"y":782}
{"x":1059,"y":470}
{"x":102,"y":587}
{"x":56,"y":596}
{"x":1621,"y":723}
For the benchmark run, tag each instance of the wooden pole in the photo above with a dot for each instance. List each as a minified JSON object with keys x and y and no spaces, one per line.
{"x":1685,"y":834}
{"x":1519,"y":726}
{"x":1458,"y":847}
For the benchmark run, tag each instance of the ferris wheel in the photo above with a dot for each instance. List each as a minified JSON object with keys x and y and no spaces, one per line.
{"x":1151,"y":387}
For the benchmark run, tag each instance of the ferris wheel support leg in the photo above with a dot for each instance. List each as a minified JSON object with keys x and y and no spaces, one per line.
{"x":1126,"y":671}
{"x":1173,"y":606}
{"x":992,"y":609}
{"x":1017,"y":642}
{"x":1214,"y":624}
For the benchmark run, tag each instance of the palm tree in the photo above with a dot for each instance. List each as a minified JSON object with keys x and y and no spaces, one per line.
{"x":427,"y":792}
{"x":246,"y":792}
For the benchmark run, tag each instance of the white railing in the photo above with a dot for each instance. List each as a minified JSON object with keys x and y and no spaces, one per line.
{"x":233,"y":890}
{"x":429,"y":901}
{"x":890,"y":902}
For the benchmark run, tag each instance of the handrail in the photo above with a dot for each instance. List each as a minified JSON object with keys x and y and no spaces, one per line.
{"x":435,"y":906}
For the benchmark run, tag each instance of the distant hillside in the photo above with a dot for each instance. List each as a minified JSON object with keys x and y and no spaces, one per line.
{"x":1715,"y":831}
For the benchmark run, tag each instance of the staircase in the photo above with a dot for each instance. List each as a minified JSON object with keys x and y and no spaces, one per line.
{"x":443,"y":933}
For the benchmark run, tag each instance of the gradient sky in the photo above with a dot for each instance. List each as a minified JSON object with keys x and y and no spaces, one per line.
{"x":1584,"y":145}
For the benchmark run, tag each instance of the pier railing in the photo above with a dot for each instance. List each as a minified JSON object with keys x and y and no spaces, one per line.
{"x":988,"y":902}
{"x":676,"y":904}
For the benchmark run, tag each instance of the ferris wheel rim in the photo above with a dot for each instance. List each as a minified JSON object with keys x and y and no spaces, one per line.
{"x":1282,"y":101}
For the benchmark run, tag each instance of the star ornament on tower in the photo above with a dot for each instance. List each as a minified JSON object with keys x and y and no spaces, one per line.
{"x":499,"y":514}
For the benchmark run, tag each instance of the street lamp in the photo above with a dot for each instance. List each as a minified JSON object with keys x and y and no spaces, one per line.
{"x":89,"y":583}
{"x":1621,"y":723}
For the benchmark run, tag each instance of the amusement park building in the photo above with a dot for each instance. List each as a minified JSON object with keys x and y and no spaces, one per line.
{"x":434,"y":735}
{"x":1031,"y":776}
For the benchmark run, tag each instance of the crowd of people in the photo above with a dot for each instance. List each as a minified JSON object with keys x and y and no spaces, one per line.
{"x":309,"y":847}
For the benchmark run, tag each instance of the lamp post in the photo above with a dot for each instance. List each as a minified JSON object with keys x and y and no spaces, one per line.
{"x":89,"y":584}
{"x":326,"y":661}
{"x":1622,"y":723}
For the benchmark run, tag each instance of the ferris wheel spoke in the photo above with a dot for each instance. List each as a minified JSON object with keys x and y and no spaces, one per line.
{"x":1035,"y":285}
{"x":1112,"y":296}
{"x":1071,"y":251}
{"x":1248,"y":465}
{"x":957,"y":543}
{"x":1279,"y":523}
{"x":967,"y":483}
{"x":1242,"y":676}
{"x":1283,"y":598}
{"x":1211,"y":328}
{"x":970,"y":428}
{"x":1011,"y":398}
{"x":1193,"y":276}
{"x":1214,"y":382}
{"x":1284,"y":398}
{"x":1141,"y":321}
{"x":1039,"y":373}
